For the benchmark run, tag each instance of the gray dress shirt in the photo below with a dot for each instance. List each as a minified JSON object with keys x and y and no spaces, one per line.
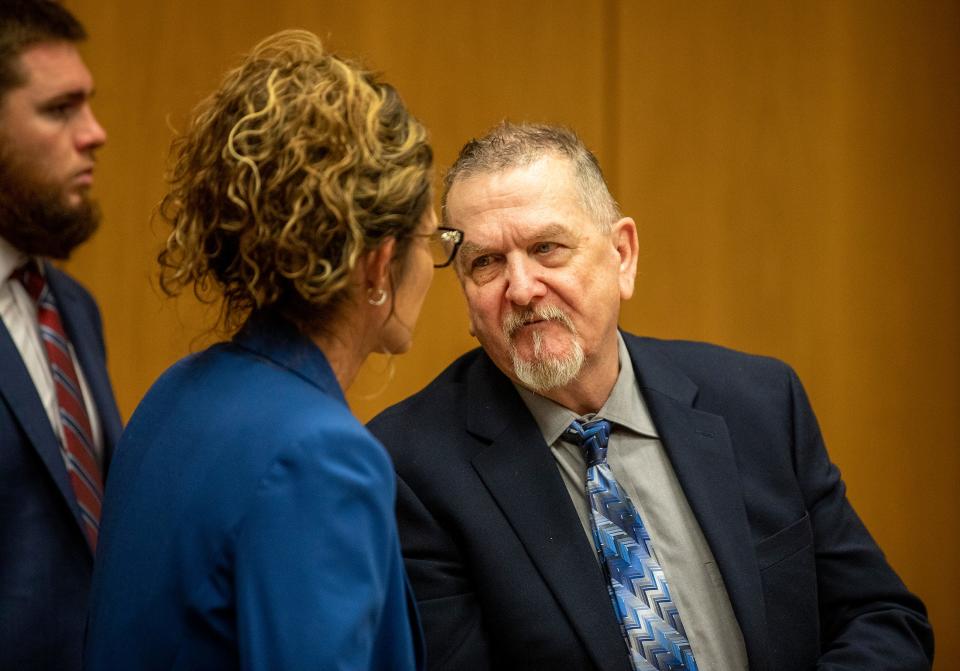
{"x":641,"y":466}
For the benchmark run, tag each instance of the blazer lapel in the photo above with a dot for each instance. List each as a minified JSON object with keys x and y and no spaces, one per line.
{"x":16,"y":387}
{"x":522,"y":476}
{"x":699,"y":448}
{"x":87,"y":344}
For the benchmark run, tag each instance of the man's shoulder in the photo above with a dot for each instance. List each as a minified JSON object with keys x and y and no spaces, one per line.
{"x":697,"y":356}
{"x":717,"y":375}
{"x":67,"y":287}
{"x":716,"y":371}
{"x":56,"y":274}
{"x":448,"y":385}
{"x":443,"y":405}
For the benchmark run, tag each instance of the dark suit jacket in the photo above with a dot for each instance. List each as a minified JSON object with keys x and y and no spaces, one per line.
{"x":506,"y":579}
{"x":248,"y":523}
{"x":45,"y":562}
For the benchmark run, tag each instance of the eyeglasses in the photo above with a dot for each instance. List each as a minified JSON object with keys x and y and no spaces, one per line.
{"x":444,"y":243}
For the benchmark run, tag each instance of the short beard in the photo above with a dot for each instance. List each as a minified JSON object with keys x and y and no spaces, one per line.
{"x":34,"y":218}
{"x":543,"y":374}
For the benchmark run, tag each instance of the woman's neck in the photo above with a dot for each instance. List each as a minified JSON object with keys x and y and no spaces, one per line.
{"x":346,"y":347}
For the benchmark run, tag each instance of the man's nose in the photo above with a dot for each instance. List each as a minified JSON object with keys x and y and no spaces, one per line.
{"x":523,"y":282}
{"x":91,"y":134}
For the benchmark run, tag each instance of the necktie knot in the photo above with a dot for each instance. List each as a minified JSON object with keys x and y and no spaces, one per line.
{"x":31,"y":278}
{"x":592,"y":437}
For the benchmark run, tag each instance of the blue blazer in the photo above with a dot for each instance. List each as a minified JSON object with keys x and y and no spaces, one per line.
{"x":506,"y":579}
{"x":45,"y":561}
{"x":248,"y":522}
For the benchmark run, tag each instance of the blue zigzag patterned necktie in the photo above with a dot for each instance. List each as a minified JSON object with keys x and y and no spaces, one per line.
{"x":641,"y":597}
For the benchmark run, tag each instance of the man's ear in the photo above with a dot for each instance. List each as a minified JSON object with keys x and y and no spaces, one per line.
{"x":376,"y":266}
{"x":624,"y":236}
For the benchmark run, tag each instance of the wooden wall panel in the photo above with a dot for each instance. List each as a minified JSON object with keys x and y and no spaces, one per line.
{"x":461,"y":69}
{"x":793,"y":167}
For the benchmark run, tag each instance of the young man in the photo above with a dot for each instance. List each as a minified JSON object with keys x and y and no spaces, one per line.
{"x":58,"y":418}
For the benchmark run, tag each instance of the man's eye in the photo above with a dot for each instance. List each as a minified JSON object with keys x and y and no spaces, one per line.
{"x":544,"y":247}
{"x":60,"y":111}
{"x":484,"y":268}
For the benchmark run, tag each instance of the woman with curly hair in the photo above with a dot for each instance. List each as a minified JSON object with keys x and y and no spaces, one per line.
{"x":248,"y":516}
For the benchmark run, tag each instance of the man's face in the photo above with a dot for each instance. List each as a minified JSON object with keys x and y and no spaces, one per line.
{"x":48,"y":136}
{"x":543,"y":282}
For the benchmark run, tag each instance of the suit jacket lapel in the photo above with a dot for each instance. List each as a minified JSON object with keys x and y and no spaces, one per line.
{"x":16,"y":387}
{"x":87,"y":343}
{"x":521,"y":475}
{"x":700,"y":451}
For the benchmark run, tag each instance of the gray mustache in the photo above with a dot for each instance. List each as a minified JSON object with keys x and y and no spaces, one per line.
{"x":513,"y":321}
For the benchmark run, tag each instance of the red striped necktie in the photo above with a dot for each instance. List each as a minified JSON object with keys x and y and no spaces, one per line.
{"x":76,"y":445}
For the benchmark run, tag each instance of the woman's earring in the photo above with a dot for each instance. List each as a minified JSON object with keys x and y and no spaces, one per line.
{"x":376,"y":296}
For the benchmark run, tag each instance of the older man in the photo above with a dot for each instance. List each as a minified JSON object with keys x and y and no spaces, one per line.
{"x":574,"y":497}
{"x":58,"y":418}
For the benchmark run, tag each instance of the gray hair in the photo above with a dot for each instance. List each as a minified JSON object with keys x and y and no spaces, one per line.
{"x":509,"y":145}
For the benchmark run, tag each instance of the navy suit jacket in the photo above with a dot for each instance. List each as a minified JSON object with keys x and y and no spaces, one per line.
{"x":506,"y":579}
{"x":248,"y":522}
{"x":45,"y":561}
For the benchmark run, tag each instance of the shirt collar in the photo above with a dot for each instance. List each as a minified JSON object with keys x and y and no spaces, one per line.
{"x":11,"y":258}
{"x":624,"y":407}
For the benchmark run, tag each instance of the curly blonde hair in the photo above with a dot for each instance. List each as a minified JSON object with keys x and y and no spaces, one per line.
{"x":293,"y":168}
